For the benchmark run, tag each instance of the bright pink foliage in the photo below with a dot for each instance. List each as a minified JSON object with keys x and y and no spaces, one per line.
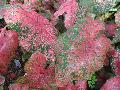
{"x":69,"y":8}
{"x":112,"y":84}
{"x":37,"y":73}
{"x":116,"y":63}
{"x":111,"y":29}
{"x":80,"y":85}
{"x":86,"y":53}
{"x":91,"y":28}
{"x":79,"y":52}
{"x":8,"y":46}
{"x":39,"y":31}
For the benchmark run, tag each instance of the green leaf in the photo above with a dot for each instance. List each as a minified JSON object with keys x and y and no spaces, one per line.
{"x":92,"y":80}
{"x":85,"y":2}
{"x":39,"y":0}
{"x":43,"y":47}
{"x":75,"y":33}
{"x":14,"y":27}
{"x":65,"y":40}
{"x":64,"y":63}
{"x":26,"y":56}
{"x":4,"y":1}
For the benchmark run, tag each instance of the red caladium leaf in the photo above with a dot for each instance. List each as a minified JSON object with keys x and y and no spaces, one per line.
{"x":112,"y":84}
{"x":81,"y":62}
{"x":69,"y":8}
{"x":8,"y":46}
{"x":79,"y":85}
{"x":111,"y":29}
{"x":37,"y":71}
{"x":36,"y":63}
{"x":90,"y":56}
{"x":116,"y":63}
{"x":78,"y":59}
{"x":91,"y":27}
{"x":35,"y":29}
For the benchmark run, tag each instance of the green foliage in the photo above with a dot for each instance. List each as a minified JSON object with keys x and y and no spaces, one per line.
{"x":4,"y":1}
{"x":14,"y":27}
{"x":99,"y":9}
{"x":92,"y":80}
{"x":26,"y":56}
{"x":63,"y":38}
{"x":64,"y":63}
{"x":43,"y":47}
{"x":40,"y":0}
{"x":85,"y":2}
{"x":75,"y":33}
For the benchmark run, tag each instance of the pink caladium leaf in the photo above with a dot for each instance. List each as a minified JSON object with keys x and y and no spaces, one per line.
{"x":111,"y":29}
{"x":35,"y":28}
{"x":79,"y":85}
{"x":112,"y":84}
{"x":8,"y":46}
{"x":37,"y":71}
{"x":69,"y":8}
{"x":33,"y":66}
{"x":78,"y":57}
{"x":91,"y":27}
{"x":116,"y":63}
{"x":79,"y":62}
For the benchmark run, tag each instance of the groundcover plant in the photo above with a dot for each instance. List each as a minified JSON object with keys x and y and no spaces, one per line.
{"x":59,"y":45}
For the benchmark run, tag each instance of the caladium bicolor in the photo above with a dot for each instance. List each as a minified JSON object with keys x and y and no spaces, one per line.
{"x":69,"y":8}
{"x":112,"y":84}
{"x":116,"y":63}
{"x":38,"y":73}
{"x":8,"y":46}
{"x":35,"y":28}
{"x":78,"y":58}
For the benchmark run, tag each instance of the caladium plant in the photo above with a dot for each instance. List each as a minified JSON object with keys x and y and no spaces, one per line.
{"x":116,"y":63}
{"x":79,"y":58}
{"x":39,"y":73}
{"x":112,"y":84}
{"x":63,"y":43}
{"x":69,"y":10}
{"x":8,"y":46}
{"x":34,"y":28}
